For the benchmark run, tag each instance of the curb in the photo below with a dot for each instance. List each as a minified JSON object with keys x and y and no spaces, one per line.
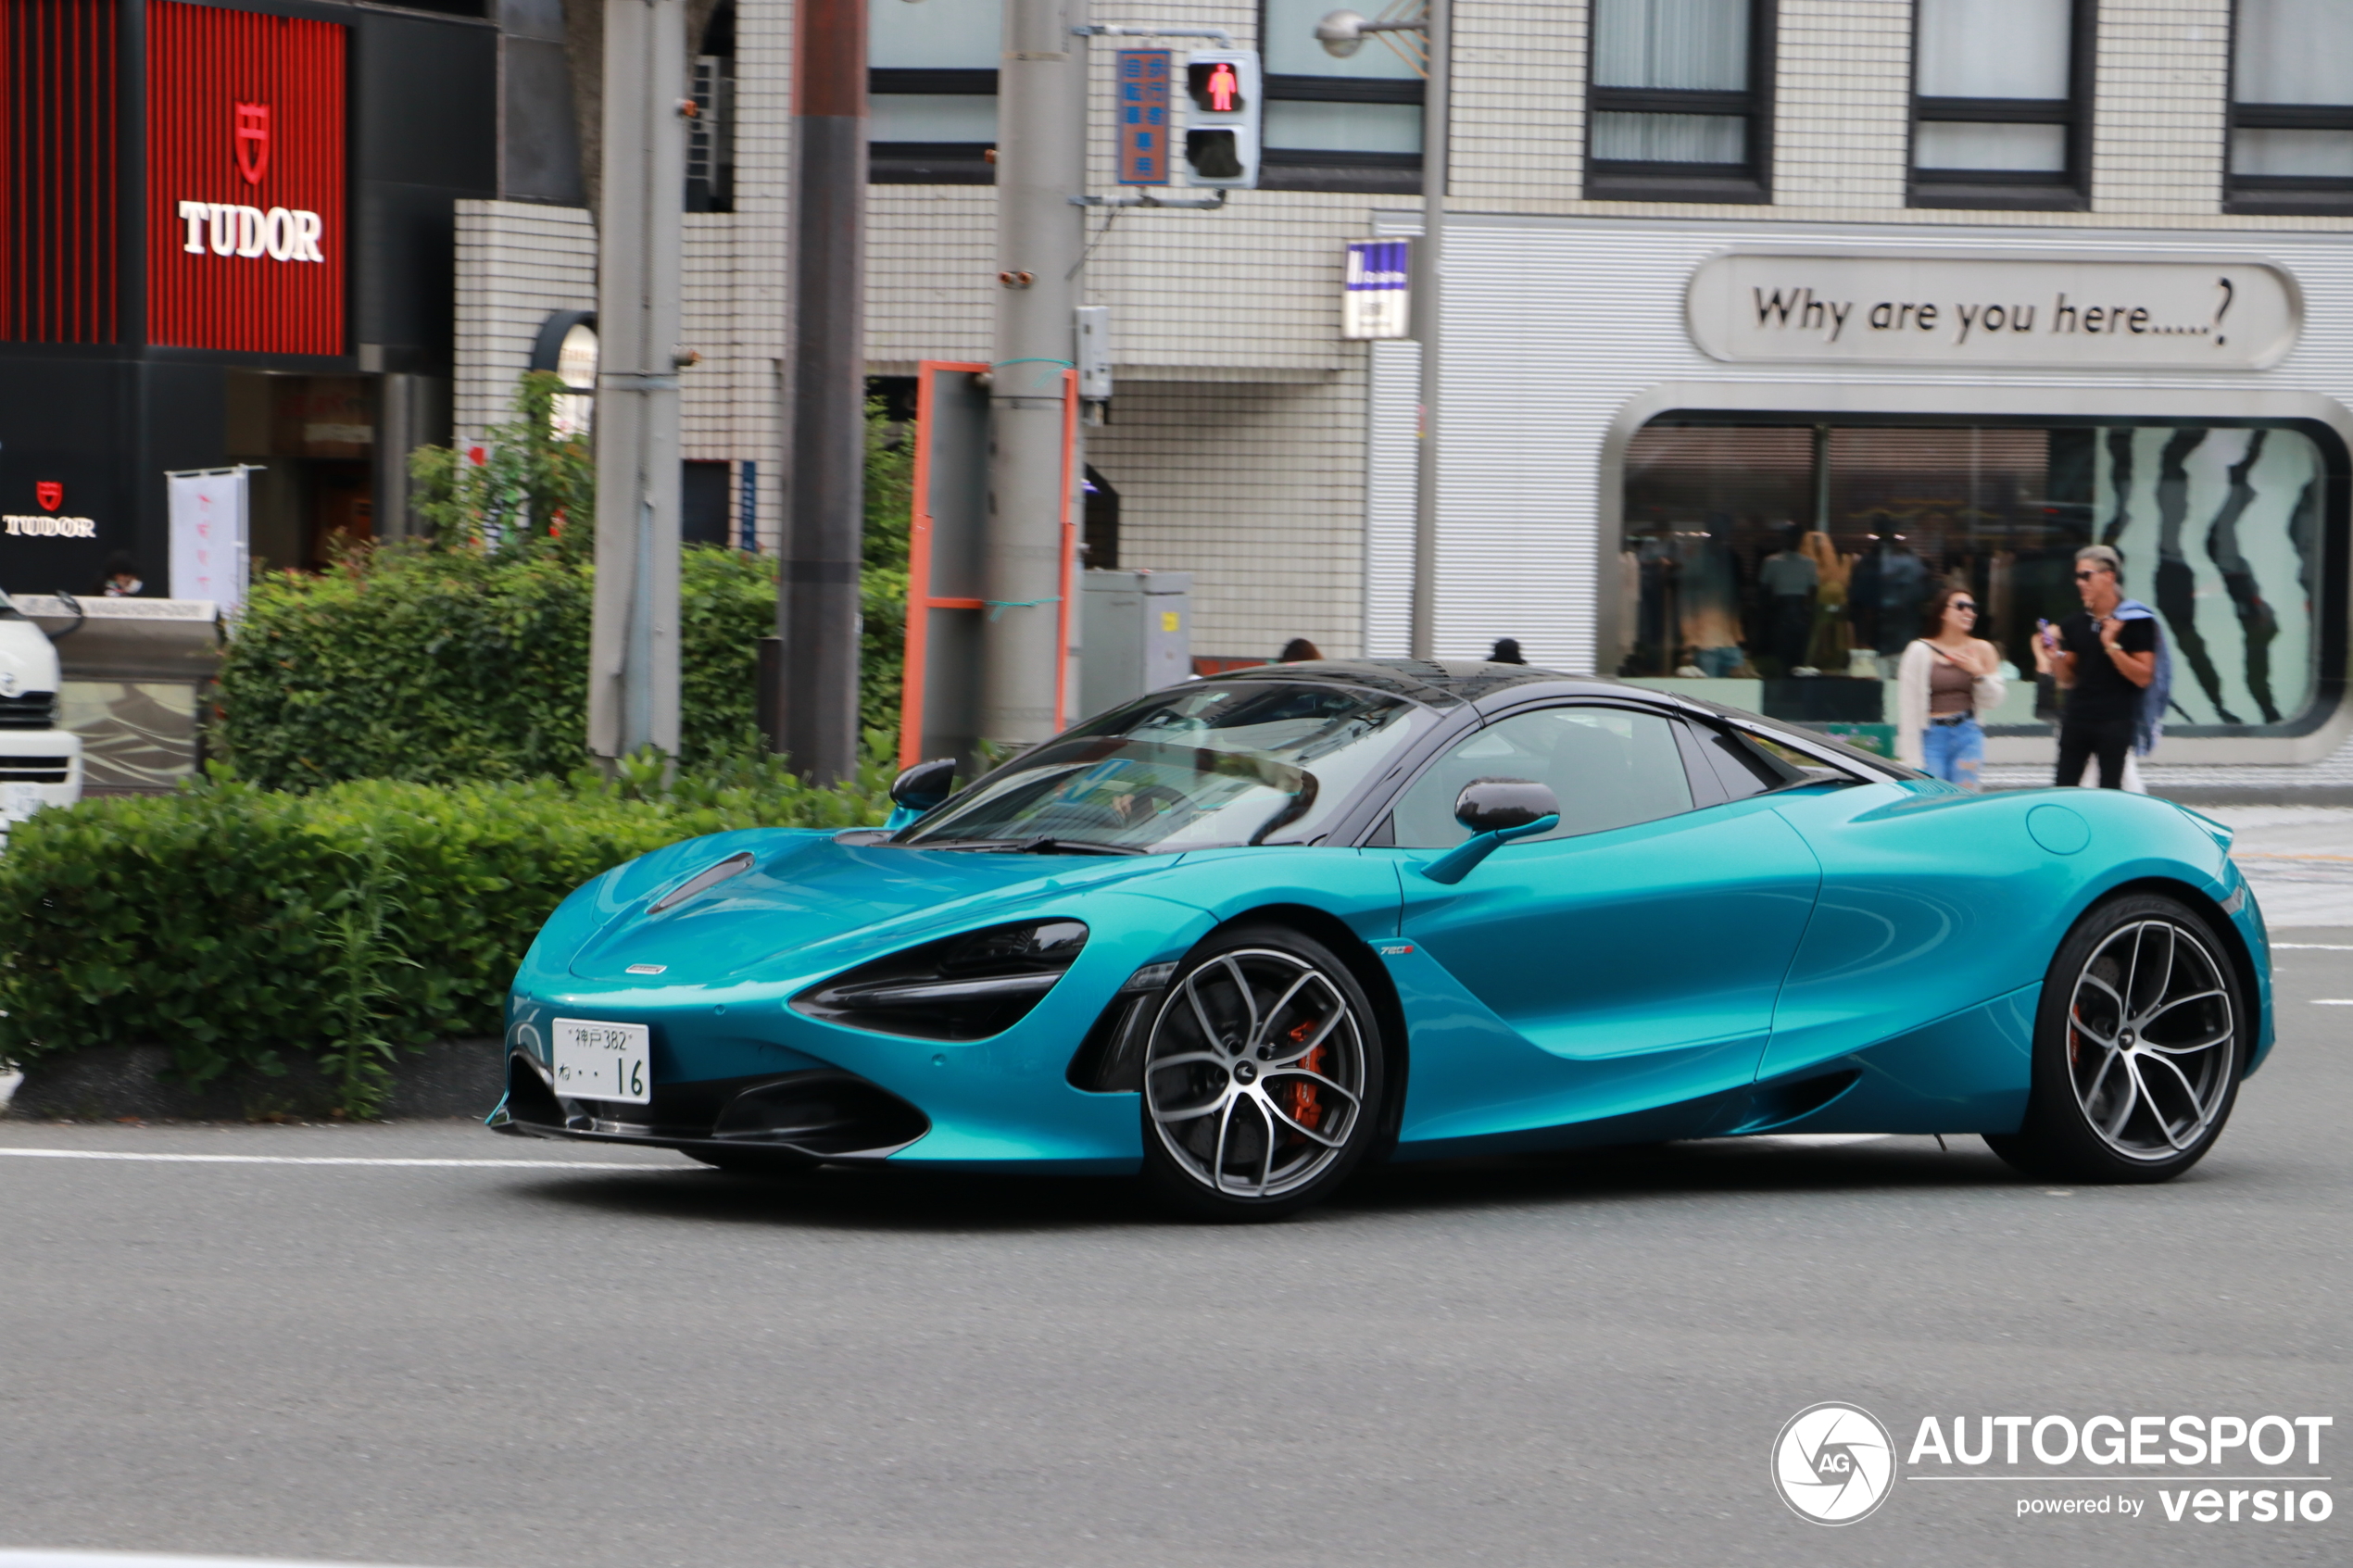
{"x":448,"y":1078}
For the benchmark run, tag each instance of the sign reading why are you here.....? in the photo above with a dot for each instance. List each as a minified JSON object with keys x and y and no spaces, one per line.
{"x":2069,"y":313}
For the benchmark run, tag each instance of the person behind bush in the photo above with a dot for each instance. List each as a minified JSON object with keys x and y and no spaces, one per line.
{"x":2110,"y":660}
{"x":1947,"y":675}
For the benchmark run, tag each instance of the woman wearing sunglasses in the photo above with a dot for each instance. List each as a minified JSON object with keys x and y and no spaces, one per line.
{"x":1946,"y":676}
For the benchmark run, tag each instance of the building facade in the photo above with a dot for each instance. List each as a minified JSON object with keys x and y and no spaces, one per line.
{"x":1626,"y":453}
{"x":231,"y":241}
{"x":1620,"y":474}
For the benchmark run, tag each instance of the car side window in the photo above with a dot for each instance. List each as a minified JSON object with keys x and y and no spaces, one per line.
{"x":1608,"y":767}
{"x":1749,"y":763}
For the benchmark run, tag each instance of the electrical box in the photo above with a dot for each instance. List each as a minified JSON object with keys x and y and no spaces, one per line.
{"x":1136,"y":635}
{"x":1222,"y":117}
{"x":1094,"y":353}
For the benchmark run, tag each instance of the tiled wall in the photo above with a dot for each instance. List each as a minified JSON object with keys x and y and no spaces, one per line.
{"x":1237,"y":435}
{"x":2164,"y":73}
{"x":517,"y":264}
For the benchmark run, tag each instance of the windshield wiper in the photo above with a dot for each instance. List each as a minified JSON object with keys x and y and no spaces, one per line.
{"x":1033,"y":846}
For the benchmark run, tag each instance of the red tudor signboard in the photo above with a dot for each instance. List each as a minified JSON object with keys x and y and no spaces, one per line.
{"x":245,"y":181}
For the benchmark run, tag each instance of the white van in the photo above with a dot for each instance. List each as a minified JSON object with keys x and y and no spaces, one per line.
{"x":40,"y":762}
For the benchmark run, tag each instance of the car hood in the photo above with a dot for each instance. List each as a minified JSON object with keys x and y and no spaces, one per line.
{"x":807,"y":901}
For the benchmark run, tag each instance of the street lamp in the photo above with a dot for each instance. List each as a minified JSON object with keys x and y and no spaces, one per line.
{"x":1342,"y":34}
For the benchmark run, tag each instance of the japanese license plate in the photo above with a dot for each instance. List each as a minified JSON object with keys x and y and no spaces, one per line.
{"x":604,"y":1061}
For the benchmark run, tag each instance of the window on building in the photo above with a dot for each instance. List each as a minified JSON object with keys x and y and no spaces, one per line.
{"x":1782,"y":568}
{"x":2001,"y":102}
{"x":710,"y":135}
{"x":932,"y":91}
{"x":1679,"y":105}
{"x":2292,"y":107}
{"x":1352,"y":124}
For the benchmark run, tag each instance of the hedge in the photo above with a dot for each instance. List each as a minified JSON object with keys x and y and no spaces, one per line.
{"x":231,"y":923}
{"x":467,"y":658}
{"x":442,"y":666}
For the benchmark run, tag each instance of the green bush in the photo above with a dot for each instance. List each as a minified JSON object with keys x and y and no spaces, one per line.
{"x":440,"y":666}
{"x":231,"y":923}
{"x":468,"y":658}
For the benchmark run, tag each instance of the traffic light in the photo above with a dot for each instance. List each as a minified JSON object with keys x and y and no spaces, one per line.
{"x":1221,"y":120}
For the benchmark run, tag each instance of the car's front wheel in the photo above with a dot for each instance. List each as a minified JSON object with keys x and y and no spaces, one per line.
{"x":2139,"y":1041}
{"x":1263,"y":1077}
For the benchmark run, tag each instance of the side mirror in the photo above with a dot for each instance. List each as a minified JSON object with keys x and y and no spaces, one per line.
{"x":924,"y":785}
{"x":1496,"y":811}
{"x":1501,"y":805}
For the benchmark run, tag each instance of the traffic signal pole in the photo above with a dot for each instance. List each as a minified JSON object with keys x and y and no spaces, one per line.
{"x":1041,"y":166}
{"x":817,"y":598}
{"x":633,"y":648}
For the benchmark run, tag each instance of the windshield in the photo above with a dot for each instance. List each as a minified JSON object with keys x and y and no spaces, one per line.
{"x":1187,"y":769}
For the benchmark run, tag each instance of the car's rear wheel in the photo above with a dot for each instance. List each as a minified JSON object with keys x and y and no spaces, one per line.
{"x":1263,"y":1077}
{"x":2139,"y":1041}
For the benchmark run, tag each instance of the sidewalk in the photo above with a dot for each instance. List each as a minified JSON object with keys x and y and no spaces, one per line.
{"x":2328,"y":781}
{"x":2298,"y":860}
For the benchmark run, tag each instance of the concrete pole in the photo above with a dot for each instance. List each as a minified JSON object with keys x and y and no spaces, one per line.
{"x":1435,"y":112}
{"x":1041,"y":163}
{"x":825,"y":394}
{"x":632,"y":643}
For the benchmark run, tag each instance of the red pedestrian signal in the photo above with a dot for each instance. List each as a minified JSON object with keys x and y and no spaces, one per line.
{"x":1220,"y":122}
{"x":1215,"y":86}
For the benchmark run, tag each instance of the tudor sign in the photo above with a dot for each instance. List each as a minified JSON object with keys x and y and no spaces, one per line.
{"x":246,"y":166}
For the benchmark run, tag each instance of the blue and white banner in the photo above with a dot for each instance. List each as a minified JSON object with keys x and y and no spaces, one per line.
{"x":1375,"y":302}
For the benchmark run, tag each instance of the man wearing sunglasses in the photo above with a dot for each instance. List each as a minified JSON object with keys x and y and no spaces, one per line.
{"x":2105,"y":659}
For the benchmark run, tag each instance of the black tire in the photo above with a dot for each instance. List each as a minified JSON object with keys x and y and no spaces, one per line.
{"x":2144,"y":983}
{"x":1263,"y":1081}
{"x":757,"y":1162}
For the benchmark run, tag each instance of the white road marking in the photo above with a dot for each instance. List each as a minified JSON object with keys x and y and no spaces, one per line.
{"x":2332,"y":1001}
{"x":2317,"y":947}
{"x":334,"y":1160}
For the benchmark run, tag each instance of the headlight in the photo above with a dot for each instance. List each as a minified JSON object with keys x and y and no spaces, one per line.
{"x":965,"y":988}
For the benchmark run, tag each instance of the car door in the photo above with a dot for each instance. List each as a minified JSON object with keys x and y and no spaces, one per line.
{"x":1626,"y":962}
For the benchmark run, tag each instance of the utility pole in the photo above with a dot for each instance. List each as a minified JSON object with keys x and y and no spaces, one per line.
{"x":826,"y":396}
{"x":1428,"y":299}
{"x":1041,"y":166}
{"x":1341,"y":34}
{"x":632,"y":645}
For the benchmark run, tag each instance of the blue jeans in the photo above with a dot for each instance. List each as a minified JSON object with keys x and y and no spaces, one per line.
{"x":1954,"y":752}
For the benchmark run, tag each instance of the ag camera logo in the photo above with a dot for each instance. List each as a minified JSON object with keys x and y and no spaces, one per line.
{"x":1833,"y":1463}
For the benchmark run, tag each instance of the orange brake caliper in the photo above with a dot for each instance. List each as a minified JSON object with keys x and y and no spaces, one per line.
{"x":1306,"y":1102}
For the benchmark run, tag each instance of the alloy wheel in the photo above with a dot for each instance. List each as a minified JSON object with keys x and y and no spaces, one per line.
{"x":2151,"y":1039}
{"x":1255,"y":1076}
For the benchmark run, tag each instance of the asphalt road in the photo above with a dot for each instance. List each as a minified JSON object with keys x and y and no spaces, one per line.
{"x":618,"y":1361}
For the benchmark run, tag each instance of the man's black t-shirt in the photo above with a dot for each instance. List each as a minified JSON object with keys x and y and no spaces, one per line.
{"x":2101,"y":693}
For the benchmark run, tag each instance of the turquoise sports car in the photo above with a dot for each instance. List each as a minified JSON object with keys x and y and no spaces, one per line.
{"x":1247,"y":933}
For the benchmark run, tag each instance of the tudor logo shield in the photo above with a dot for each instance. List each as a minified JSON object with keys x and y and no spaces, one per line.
{"x":253,"y":141}
{"x":49,"y":493}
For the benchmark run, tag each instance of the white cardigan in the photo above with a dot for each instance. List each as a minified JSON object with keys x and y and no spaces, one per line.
{"x":1911,"y":699}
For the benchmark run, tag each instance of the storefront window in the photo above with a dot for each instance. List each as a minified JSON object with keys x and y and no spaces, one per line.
{"x":1785,"y":566}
